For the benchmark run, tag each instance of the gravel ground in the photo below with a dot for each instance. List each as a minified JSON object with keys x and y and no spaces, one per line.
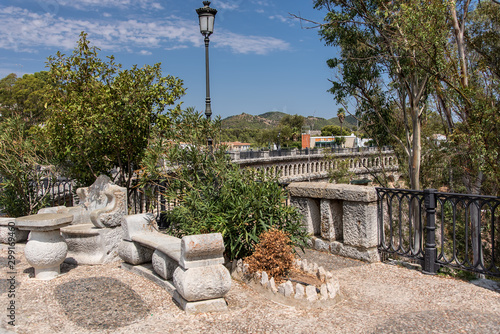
{"x":376,"y":298}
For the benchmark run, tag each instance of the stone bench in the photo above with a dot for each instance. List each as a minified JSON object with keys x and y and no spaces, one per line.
{"x":8,"y":228}
{"x":191,"y":268}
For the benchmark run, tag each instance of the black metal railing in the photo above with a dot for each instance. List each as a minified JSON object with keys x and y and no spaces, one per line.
{"x":280,"y":153}
{"x":151,"y":198}
{"x":58,"y":191}
{"x":441,"y":229}
{"x":251,"y":154}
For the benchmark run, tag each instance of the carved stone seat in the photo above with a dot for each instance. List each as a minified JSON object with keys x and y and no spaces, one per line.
{"x":191,"y":268}
{"x":96,"y":232}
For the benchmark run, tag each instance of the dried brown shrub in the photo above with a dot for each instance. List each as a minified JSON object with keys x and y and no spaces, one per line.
{"x":273,"y":254}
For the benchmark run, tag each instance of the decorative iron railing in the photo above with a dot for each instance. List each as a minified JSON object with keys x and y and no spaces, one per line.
{"x":150,"y":198}
{"x":441,"y":229}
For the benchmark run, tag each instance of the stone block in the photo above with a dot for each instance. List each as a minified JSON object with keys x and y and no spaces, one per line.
{"x":360,"y":224}
{"x":299,"y":291}
{"x":331,"y":219}
{"x":323,"y":291}
{"x":310,"y":210}
{"x":202,"y":250}
{"x":288,"y":289}
{"x":369,"y":255}
{"x":321,"y":245}
{"x":311,"y":294}
{"x":264,"y":279}
{"x":202,"y":283}
{"x":332,"y":288}
{"x":90,"y":245}
{"x":321,"y":274}
{"x":202,"y":306}
{"x":164,"y":265}
{"x":137,"y":224}
{"x":272,"y":285}
{"x":281,"y":289}
{"x":133,"y":253}
{"x":326,"y":190}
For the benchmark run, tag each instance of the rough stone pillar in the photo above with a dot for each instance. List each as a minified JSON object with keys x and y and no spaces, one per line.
{"x":331,"y":220}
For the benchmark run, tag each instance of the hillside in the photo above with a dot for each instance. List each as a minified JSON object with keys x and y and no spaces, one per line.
{"x":271,"y":119}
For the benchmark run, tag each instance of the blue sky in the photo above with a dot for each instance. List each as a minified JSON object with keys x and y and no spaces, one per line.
{"x":260,"y":58}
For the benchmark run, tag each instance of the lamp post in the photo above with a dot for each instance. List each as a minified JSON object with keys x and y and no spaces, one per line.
{"x":207,"y":17}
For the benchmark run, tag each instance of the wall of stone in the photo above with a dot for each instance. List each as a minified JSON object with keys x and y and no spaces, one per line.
{"x":341,"y":218}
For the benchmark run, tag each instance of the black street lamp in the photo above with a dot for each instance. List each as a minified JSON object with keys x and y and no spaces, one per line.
{"x":207,"y":17}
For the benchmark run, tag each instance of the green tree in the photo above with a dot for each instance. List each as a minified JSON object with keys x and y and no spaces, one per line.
{"x":24,"y":97}
{"x":102,"y":117}
{"x":293,"y":125}
{"x":334,"y":130}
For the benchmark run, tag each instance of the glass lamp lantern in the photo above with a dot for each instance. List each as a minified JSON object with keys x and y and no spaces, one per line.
{"x":207,"y":17}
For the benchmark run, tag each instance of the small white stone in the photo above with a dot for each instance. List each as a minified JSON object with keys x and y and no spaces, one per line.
{"x":321,"y":274}
{"x":323,"y":292}
{"x":311,"y":293}
{"x":299,"y":291}
{"x":304,"y":265}
{"x":288,"y":289}
{"x":315,"y":268}
{"x":281,"y":289}
{"x":329,"y":275}
{"x":265,"y":279}
{"x":272,"y":285}
{"x":298,"y":262}
{"x":333,"y":288}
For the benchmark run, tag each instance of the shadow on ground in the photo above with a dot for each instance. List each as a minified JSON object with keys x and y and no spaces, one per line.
{"x":100,"y":303}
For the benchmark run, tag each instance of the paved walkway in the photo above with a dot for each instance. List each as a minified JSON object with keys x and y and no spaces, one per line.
{"x":376,"y":298}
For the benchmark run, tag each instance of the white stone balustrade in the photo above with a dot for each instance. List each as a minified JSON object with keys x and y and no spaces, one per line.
{"x":46,"y":249}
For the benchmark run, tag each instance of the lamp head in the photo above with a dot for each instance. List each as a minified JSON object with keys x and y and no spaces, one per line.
{"x":207,"y":17}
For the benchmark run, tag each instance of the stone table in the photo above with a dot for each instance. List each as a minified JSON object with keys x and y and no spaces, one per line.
{"x":46,"y":249}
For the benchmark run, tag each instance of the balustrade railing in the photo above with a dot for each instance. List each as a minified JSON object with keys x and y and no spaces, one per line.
{"x":251,"y":154}
{"x":441,"y":229}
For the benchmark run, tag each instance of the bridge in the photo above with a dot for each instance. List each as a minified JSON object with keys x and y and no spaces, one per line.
{"x":313,"y":165}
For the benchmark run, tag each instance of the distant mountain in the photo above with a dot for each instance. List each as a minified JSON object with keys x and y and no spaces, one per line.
{"x":271,"y":119}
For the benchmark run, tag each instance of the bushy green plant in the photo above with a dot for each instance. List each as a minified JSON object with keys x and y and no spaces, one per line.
{"x":22,"y":155}
{"x":214,"y":194}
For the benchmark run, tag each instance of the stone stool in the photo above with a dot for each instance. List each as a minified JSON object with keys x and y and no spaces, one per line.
{"x":46,"y":249}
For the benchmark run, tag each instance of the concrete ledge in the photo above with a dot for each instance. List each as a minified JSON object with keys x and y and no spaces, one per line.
{"x":325,"y":190}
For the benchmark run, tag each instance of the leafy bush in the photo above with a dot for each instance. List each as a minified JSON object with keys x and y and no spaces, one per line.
{"x":22,"y":154}
{"x":214,"y":194}
{"x":273,"y":254}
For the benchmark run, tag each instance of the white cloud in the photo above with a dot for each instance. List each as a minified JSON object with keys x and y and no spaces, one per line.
{"x":92,"y":4}
{"x":25,"y":31}
{"x":282,"y":19}
{"x":226,"y":5}
{"x":260,"y":45}
{"x":145,"y":53}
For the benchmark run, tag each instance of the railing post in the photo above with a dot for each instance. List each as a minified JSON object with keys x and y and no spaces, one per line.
{"x":430,"y":251}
